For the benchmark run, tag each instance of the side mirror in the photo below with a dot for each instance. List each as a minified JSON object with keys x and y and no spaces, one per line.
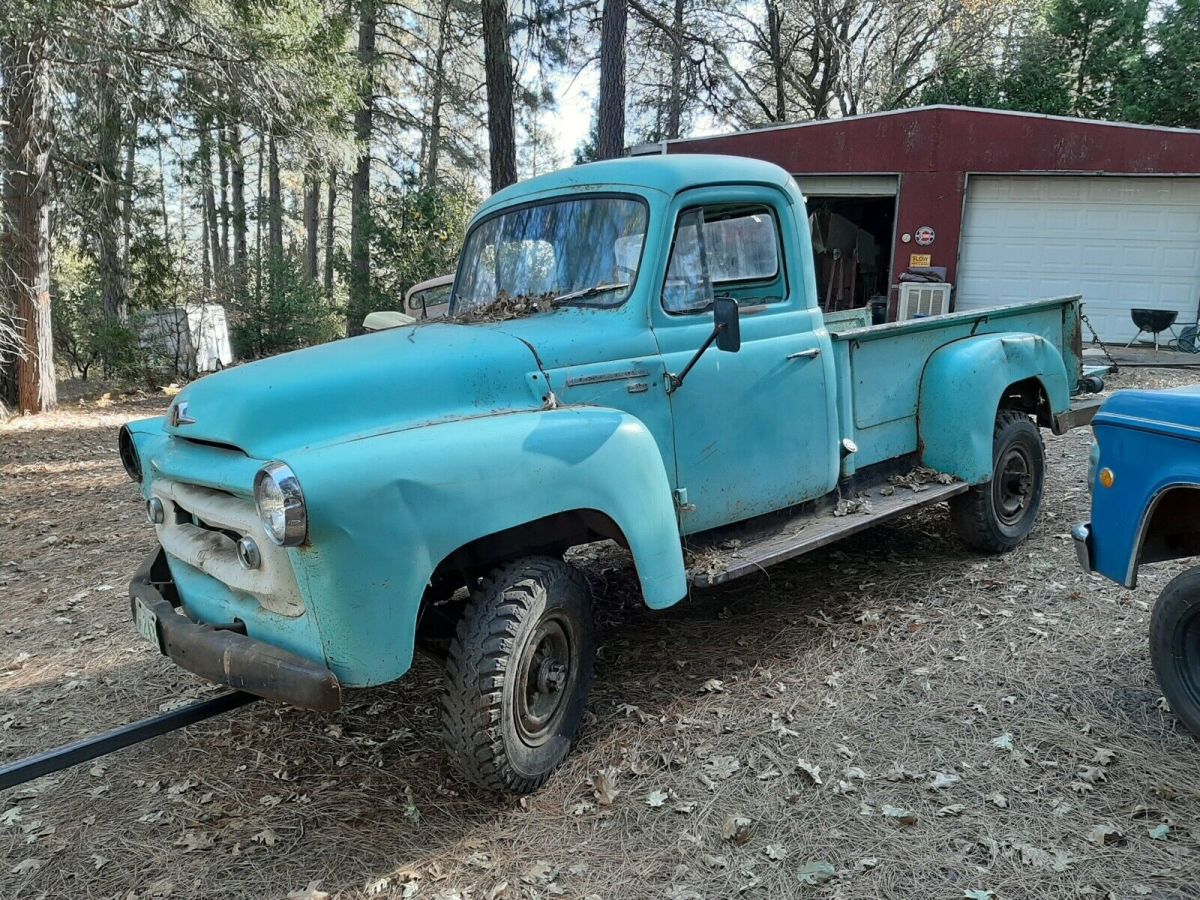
{"x":726,"y":324}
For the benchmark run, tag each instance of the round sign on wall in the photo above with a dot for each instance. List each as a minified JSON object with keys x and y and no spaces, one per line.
{"x":925,"y":235}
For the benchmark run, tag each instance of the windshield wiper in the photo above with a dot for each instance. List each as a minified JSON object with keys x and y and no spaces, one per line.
{"x":594,"y":291}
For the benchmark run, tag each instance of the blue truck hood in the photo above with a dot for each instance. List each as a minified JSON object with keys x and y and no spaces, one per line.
{"x":376,"y":382}
{"x":1175,"y":411}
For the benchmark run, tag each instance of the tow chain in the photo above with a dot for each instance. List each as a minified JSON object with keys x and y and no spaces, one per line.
{"x":1096,"y":340}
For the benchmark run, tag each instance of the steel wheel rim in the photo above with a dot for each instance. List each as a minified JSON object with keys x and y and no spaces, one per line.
{"x":1012,"y":488}
{"x":545,"y":678}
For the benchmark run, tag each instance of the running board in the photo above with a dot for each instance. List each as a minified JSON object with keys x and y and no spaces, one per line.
{"x":731,"y":552}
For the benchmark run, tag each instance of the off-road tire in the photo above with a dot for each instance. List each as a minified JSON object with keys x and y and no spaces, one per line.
{"x":514,"y":614}
{"x":1175,"y":647}
{"x":984,"y":516}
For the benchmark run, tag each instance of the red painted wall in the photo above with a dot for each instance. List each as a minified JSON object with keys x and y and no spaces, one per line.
{"x":934,"y":148}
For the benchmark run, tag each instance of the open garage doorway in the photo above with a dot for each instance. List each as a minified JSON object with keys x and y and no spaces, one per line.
{"x":852,"y":219}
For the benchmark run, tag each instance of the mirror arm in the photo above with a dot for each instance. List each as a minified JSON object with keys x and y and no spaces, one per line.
{"x":675,"y":382}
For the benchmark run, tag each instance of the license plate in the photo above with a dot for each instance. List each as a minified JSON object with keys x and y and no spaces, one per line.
{"x":147,"y":623}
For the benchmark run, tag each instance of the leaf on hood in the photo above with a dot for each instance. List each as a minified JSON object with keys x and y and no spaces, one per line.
{"x":737,"y":829}
{"x":812,"y":770}
{"x":815,"y":873}
{"x":1105,"y":834}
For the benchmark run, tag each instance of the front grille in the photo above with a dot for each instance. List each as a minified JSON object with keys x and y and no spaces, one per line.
{"x":202,"y":527}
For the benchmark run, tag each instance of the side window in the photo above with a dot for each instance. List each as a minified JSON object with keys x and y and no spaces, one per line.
{"x":723,"y":249}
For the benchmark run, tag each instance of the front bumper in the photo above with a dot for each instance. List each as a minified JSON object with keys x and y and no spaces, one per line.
{"x":1082,"y":535}
{"x":222,"y":654}
{"x":1080,"y":414}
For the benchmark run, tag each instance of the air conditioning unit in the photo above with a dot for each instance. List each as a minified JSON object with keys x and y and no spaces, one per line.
{"x":919,"y":299}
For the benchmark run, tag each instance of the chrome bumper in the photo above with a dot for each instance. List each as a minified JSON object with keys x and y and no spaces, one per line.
{"x":1082,"y":535}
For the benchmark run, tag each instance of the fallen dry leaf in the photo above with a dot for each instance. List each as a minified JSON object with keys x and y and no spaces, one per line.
{"x":737,"y":829}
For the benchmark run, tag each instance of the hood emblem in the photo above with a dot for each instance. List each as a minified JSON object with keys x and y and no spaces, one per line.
{"x":179,"y":415}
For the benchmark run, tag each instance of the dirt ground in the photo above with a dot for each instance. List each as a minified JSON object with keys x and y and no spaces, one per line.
{"x":893,"y":717}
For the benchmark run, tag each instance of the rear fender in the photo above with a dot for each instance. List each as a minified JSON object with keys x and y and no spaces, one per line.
{"x":384,"y":511}
{"x":962,"y":387}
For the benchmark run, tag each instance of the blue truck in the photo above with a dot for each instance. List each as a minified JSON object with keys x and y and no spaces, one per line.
{"x":634,"y":352}
{"x":1144,"y":474}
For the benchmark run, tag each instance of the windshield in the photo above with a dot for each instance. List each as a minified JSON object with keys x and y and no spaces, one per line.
{"x":583,"y":252}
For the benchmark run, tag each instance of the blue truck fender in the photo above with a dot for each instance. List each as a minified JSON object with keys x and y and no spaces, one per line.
{"x":962,"y":387}
{"x":386,"y":509}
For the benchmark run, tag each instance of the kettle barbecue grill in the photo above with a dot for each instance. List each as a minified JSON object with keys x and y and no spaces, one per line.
{"x":1153,"y":321}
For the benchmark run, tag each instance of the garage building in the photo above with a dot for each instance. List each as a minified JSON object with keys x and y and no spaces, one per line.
{"x":1012,"y":206}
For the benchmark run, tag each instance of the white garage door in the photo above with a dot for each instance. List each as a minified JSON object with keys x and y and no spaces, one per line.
{"x":1121,"y":242}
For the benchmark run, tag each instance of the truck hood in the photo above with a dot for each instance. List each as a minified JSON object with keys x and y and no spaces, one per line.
{"x":377,"y":382}
{"x":1176,"y":411}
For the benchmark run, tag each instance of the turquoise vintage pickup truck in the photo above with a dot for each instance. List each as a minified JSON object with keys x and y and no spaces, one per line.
{"x":634,"y":352}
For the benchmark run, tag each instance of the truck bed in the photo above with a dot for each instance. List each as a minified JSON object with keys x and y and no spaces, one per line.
{"x":879,"y":367}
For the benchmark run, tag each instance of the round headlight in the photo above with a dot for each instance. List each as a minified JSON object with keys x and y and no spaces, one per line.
{"x":129,"y":456}
{"x":280,"y":504}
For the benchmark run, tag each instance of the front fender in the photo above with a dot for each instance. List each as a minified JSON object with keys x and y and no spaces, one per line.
{"x":961,"y":389}
{"x":385,"y":510}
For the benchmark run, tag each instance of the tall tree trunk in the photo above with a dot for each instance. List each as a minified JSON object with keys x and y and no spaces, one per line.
{"x":223,"y":181}
{"x":360,"y":183}
{"x":211,"y":228}
{"x":258,"y":219}
{"x":775,"y":35}
{"x":127,"y":194}
{"x":162,"y":189}
{"x":497,"y":66}
{"x":27,"y":130}
{"x":330,"y":201}
{"x":434,"y":141}
{"x":113,"y":299}
{"x":610,"y":128}
{"x":237,"y":186}
{"x":675,"y":98}
{"x":274,"y":215}
{"x":312,"y":220}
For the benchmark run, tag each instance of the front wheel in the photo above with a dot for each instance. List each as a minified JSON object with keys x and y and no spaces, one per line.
{"x":1175,"y":646}
{"x":518,"y":674}
{"x":995,"y":517}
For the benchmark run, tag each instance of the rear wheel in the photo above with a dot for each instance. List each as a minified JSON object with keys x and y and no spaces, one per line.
{"x":995,"y":517}
{"x":518,"y":674}
{"x":1175,"y":647}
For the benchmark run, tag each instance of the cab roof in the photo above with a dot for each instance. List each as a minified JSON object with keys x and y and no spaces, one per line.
{"x":668,"y":174}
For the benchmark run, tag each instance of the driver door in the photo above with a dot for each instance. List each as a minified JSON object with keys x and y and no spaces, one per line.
{"x":752,"y":429}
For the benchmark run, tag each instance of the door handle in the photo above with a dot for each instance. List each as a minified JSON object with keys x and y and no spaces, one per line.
{"x":806,"y":354}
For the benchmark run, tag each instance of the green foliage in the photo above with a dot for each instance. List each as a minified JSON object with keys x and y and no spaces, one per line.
{"x":1103,"y":40}
{"x":1166,"y":90}
{"x":84,"y":336}
{"x":292,"y":312}
{"x":417,"y":234}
